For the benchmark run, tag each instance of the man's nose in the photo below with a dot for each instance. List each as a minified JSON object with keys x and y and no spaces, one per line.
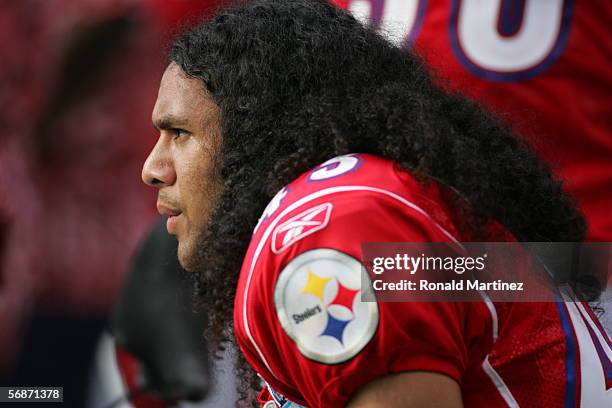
{"x":158,"y":170}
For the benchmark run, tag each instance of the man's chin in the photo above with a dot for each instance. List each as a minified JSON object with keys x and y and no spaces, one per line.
{"x":186,"y":258}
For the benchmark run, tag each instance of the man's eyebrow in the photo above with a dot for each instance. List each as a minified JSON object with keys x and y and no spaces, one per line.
{"x":168,"y":122}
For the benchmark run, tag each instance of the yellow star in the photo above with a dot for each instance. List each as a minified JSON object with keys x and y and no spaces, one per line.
{"x":315,"y":285}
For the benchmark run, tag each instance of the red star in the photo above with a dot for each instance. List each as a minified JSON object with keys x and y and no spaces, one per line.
{"x":344,"y":297}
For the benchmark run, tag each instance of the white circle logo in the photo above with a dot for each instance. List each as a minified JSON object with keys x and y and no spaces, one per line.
{"x":318,"y":302}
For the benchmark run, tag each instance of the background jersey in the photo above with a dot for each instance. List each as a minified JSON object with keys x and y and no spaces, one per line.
{"x":545,"y":66}
{"x":301,"y":324}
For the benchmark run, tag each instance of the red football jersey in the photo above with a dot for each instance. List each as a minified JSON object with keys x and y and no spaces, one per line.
{"x":302,"y":325}
{"x":544,"y":66}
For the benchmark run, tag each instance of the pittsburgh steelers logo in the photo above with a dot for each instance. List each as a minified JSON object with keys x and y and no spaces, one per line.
{"x":318,"y":302}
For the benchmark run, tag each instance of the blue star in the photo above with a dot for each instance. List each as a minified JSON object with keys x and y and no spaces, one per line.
{"x":335,"y":328}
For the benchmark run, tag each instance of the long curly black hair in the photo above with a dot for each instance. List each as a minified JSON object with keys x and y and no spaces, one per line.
{"x":299,"y":82}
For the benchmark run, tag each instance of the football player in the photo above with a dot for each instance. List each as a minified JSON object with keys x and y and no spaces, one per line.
{"x":290,"y":134}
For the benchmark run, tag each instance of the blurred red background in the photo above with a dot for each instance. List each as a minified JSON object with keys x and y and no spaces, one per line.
{"x":78,"y":82}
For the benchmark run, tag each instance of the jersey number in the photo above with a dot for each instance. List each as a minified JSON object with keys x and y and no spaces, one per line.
{"x":335,"y":167}
{"x":504,"y":40}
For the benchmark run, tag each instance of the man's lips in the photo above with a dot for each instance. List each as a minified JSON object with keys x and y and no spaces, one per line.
{"x":166,"y":210}
{"x":172,"y":214}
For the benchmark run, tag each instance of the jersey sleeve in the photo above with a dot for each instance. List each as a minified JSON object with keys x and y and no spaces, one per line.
{"x":328,"y":341}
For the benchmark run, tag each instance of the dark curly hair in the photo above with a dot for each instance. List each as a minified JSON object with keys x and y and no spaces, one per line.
{"x":299,"y":82}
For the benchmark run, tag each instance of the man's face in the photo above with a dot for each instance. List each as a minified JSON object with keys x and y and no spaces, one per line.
{"x":182,"y":165}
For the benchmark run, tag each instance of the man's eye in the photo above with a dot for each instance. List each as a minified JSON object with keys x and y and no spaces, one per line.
{"x":176,"y":133}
